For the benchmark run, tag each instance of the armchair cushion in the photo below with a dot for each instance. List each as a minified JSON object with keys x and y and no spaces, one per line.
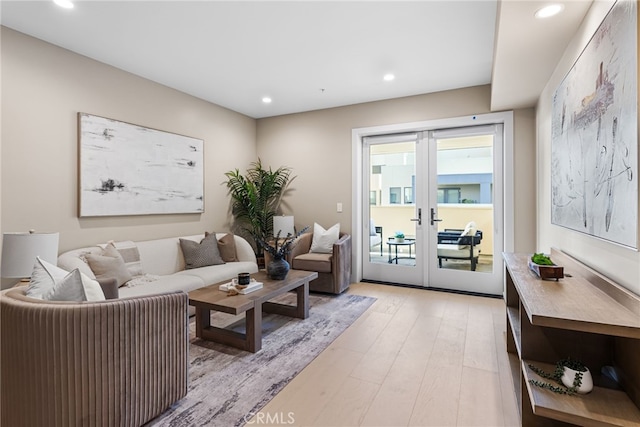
{"x":313,"y":262}
{"x":323,"y":240}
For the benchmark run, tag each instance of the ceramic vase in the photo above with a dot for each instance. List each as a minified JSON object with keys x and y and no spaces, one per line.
{"x":586,"y":384}
{"x":278,"y":269}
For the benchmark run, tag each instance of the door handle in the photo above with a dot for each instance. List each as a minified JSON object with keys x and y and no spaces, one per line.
{"x":433,"y":217}
{"x":419,"y":219}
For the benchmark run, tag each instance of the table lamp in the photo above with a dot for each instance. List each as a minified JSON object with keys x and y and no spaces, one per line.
{"x":19,"y":252}
{"x":283,"y":224}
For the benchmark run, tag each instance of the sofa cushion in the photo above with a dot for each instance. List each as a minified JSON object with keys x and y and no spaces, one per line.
{"x":323,"y":240}
{"x":227,"y":248}
{"x":50,"y":282}
{"x":169,"y":283}
{"x":313,"y":262}
{"x":456,"y":251}
{"x":218,"y":273}
{"x":109,"y":264}
{"x":201,"y":254}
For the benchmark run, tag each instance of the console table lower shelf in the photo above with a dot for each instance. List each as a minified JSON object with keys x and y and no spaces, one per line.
{"x":585,"y":316}
{"x":253,"y":304}
{"x":602,"y":406}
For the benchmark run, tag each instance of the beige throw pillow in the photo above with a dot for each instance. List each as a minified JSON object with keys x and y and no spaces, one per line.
{"x":227,"y":248}
{"x":109,"y":264}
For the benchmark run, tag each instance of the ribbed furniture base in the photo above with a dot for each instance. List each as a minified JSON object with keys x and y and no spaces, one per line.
{"x":112,"y":363}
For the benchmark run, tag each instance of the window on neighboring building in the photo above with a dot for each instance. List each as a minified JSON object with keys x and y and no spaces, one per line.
{"x":372,"y":198}
{"x":449,"y":195}
{"x":395,"y":195}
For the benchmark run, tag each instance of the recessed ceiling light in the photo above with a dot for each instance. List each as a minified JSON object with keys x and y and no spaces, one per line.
{"x":549,"y":10}
{"x":266,"y":100}
{"x":389,"y":77}
{"x":67,"y":4}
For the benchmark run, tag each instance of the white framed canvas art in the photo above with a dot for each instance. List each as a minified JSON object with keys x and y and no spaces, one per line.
{"x":594,"y":144}
{"x":126,"y":169}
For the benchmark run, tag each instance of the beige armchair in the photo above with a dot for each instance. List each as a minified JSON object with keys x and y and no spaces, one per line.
{"x":118,"y":362}
{"x":334,"y":270}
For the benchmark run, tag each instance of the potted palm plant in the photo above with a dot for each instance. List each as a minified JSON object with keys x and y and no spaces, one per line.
{"x":255,"y":198}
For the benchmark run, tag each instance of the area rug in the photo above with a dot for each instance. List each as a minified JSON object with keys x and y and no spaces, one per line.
{"x":227,"y":385}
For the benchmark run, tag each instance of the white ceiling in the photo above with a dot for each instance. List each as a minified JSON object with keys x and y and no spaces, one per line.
{"x":309,"y":55}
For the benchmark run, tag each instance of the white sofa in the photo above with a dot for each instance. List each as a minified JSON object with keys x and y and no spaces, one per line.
{"x":164,"y":266}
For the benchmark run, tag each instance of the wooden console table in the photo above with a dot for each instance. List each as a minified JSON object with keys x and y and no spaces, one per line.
{"x":584,"y":316}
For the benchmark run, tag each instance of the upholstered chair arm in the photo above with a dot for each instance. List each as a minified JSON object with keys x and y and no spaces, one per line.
{"x":109,"y":287}
{"x":342,"y":261}
{"x":302,"y":245}
{"x":118,"y":362}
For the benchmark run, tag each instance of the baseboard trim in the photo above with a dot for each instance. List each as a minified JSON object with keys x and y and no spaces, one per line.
{"x":451,"y":291}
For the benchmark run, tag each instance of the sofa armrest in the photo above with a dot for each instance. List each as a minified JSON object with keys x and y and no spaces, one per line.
{"x":109,"y":287}
{"x":117,"y":362}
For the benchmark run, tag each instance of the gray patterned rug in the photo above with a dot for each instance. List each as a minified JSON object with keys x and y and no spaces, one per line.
{"x":227,"y":385}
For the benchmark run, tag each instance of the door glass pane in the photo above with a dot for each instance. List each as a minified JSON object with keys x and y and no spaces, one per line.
{"x":392,"y":179}
{"x":465,"y":203}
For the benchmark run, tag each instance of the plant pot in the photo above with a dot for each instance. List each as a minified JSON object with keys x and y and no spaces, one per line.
{"x":260,"y":260}
{"x":399,"y":239}
{"x":547,"y":271}
{"x":568,"y":378}
{"x":278,"y":269}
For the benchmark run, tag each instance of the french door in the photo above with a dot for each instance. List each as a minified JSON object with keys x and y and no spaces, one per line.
{"x":421,"y":191}
{"x":393,"y":249}
{"x":465,"y":192}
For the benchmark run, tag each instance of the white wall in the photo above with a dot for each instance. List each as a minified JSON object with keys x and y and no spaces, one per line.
{"x":43,"y":89}
{"x":318,"y":146}
{"x":616,"y":262}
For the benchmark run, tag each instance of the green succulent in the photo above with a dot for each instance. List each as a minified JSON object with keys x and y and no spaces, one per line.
{"x":541,"y":259}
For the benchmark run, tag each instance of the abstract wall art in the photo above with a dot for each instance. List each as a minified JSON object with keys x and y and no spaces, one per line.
{"x":594,"y":144}
{"x":125,"y":169}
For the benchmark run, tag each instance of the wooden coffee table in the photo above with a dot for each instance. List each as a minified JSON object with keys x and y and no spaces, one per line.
{"x":211,"y":298}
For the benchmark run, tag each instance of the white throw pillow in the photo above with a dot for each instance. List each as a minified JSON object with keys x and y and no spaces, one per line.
{"x":49,"y":281}
{"x":68,"y":289}
{"x":323,"y":240}
{"x":469,"y":230}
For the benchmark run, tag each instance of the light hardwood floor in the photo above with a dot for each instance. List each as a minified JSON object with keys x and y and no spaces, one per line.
{"x":415,"y":358}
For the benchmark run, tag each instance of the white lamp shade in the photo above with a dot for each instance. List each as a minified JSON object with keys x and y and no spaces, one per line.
{"x":284,"y":224}
{"x":19,"y":252}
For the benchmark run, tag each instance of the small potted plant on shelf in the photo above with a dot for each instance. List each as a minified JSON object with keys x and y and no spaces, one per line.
{"x":399,"y":236}
{"x":542,"y":265}
{"x":279,"y":248}
{"x":571,"y":375}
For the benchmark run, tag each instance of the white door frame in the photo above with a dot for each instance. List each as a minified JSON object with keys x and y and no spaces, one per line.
{"x":361,"y":230}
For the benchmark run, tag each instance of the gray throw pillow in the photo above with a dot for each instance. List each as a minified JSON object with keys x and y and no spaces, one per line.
{"x":201,"y":254}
